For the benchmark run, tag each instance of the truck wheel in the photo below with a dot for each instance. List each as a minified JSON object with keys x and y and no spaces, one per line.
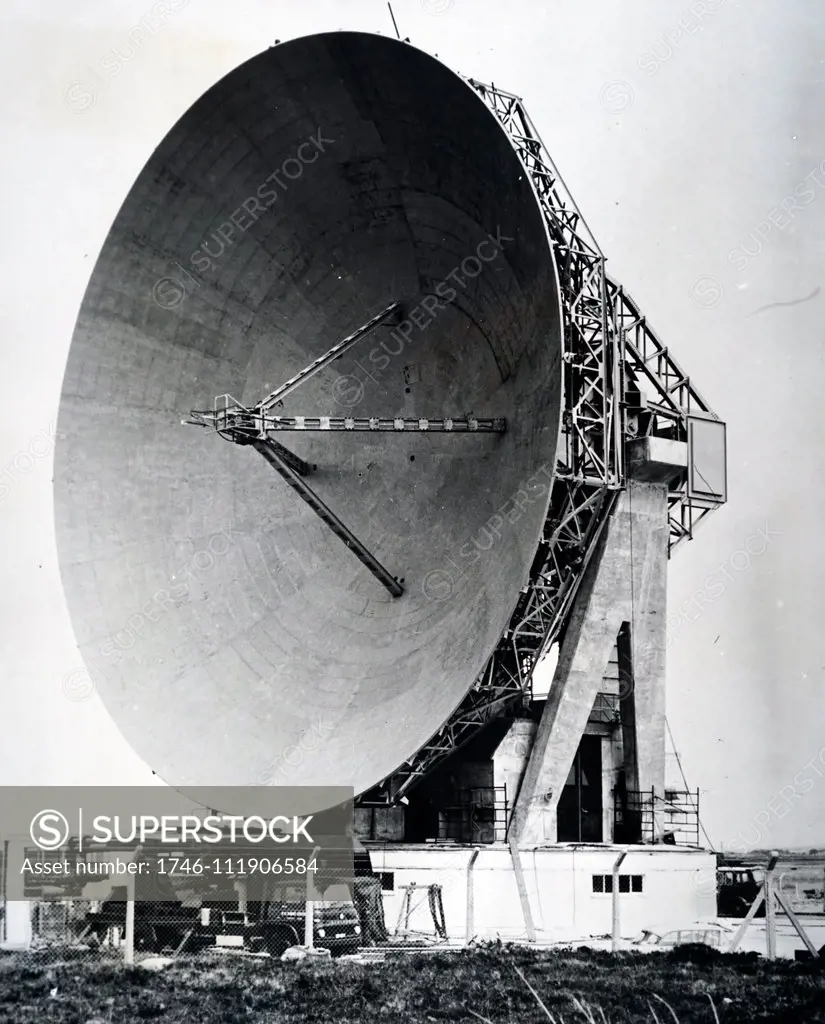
{"x":277,"y":942}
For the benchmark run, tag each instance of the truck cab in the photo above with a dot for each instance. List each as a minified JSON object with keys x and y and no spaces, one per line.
{"x":280,"y":922}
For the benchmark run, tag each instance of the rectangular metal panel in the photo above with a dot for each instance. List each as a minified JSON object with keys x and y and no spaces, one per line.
{"x":707,"y":460}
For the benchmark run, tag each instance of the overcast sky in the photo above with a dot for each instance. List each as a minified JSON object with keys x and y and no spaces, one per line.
{"x":693,"y":144}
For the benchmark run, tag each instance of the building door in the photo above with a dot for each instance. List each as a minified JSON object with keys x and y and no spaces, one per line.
{"x":579,"y":814}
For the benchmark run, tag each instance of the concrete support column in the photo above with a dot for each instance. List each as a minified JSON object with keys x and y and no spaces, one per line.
{"x":625,"y":581}
{"x":510,"y":759}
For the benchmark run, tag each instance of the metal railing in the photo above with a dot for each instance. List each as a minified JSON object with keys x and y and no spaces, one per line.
{"x":645,"y":816}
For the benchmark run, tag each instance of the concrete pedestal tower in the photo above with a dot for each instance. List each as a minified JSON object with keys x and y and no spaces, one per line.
{"x":621,"y":605}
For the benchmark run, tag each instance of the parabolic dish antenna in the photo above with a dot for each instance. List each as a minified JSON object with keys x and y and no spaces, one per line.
{"x":311,"y":617}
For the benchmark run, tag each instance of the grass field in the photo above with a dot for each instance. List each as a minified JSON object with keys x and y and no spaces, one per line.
{"x":490,"y":983}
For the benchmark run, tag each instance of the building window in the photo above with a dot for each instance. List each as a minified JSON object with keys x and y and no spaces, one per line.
{"x":627,"y":883}
{"x":387,"y":881}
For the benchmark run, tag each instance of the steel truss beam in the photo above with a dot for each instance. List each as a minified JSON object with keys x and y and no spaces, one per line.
{"x":610,"y":357}
{"x":242,"y":425}
{"x":274,"y":455}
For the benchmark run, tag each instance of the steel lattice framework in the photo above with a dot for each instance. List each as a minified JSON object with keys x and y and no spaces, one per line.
{"x":611,"y":358}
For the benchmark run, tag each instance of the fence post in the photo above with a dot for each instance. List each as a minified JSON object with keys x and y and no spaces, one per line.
{"x":4,"y":864}
{"x":770,"y":907}
{"x":309,"y":915}
{"x":469,"y":927}
{"x":521,"y":885}
{"x":131,"y":880}
{"x":616,"y":931}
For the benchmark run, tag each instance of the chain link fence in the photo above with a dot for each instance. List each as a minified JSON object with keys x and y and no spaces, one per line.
{"x":263,"y":904}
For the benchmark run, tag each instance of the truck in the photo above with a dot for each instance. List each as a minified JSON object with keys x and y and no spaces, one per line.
{"x":261,"y":927}
{"x":736,"y":889}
